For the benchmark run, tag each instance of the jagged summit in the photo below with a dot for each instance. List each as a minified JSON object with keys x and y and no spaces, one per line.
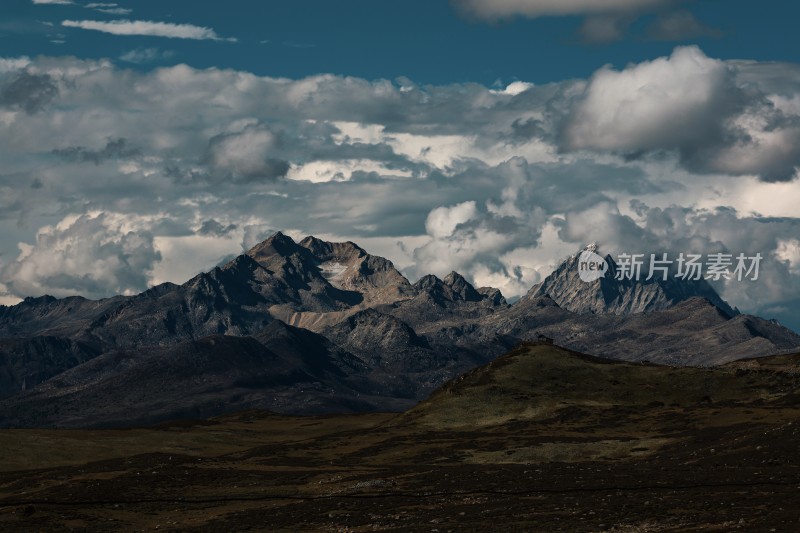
{"x":326,"y":251}
{"x":426,"y":282}
{"x":455,"y":288}
{"x":344,"y":265}
{"x":461,"y":287}
{"x":274,"y":253}
{"x":327,"y":277}
{"x":278,"y":242}
{"x":608,"y":295}
{"x":464,"y":290}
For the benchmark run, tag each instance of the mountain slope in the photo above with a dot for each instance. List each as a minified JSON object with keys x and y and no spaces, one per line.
{"x":194,"y":379}
{"x":233,"y":300}
{"x":26,"y":362}
{"x":692,"y":332}
{"x":401,"y":363}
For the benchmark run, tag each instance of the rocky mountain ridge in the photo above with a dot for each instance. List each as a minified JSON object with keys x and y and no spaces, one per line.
{"x":340,"y":330}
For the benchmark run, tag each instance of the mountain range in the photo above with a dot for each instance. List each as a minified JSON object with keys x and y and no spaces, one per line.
{"x":320,"y":327}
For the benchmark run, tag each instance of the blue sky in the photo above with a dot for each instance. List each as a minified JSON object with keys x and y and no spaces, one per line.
{"x":143,"y":142}
{"x":427,"y":41}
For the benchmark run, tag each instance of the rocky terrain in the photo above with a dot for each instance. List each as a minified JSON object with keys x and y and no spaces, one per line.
{"x":317,"y":327}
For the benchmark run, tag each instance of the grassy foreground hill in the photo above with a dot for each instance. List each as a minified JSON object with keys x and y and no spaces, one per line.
{"x":541,"y":439}
{"x":536,"y":381}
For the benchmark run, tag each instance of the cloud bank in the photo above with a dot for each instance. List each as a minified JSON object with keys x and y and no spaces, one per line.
{"x":114,"y":179}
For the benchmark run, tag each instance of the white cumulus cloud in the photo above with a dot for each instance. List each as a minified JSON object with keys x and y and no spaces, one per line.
{"x":442,"y":221}
{"x":87,"y":255}
{"x":663,"y":103}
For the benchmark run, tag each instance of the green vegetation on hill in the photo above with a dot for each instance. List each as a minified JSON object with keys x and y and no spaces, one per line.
{"x":535,"y":381}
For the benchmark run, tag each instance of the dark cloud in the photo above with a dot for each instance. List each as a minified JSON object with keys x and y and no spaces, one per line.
{"x":604,"y":21}
{"x":28,"y":91}
{"x":213,"y":227}
{"x":605,"y":28}
{"x":141,"y":56}
{"x":679,"y":25}
{"x":114,"y":149}
{"x":528,"y":129}
{"x":501,"y":9}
